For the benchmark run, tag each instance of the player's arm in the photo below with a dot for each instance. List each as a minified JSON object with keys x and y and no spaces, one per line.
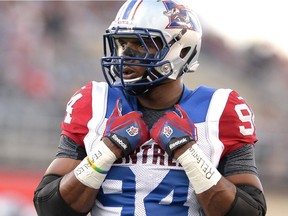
{"x":70,"y":186}
{"x":236,"y":194}
{"x":218,"y":195}
{"x":61,"y":193}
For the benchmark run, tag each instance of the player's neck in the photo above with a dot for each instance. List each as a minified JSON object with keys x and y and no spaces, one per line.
{"x":163,"y":96}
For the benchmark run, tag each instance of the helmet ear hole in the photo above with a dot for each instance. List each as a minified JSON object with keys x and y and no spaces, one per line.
{"x":184,"y":52}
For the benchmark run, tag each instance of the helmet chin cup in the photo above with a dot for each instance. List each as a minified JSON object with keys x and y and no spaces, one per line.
{"x":132,"y":80}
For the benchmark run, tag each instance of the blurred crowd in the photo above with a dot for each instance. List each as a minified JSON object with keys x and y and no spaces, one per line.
{"x":50,"y":42}
{"x":50,"y":49}
{"x":47,"y":51}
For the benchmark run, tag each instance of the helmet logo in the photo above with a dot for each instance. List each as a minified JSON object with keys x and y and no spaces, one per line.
{"x":178,"y":16}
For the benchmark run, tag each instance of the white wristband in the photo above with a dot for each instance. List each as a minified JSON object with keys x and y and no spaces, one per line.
{"x":200,"y":171}
{"x":93,"y":169}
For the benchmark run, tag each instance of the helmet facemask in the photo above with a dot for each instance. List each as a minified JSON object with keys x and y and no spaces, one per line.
{"x":117,"y":57}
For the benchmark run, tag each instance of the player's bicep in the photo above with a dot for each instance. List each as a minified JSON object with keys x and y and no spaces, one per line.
{"x":239,"y":167}
{"x":68,"y":148}
{"x":62,"y":166}
{"x":239,"y":161}
{"x":245,"y":179}
{"x":69,"y":155}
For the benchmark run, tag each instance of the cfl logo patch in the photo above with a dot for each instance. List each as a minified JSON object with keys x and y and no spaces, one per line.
{"x":167,"y":131}
{"x":132,"y":131}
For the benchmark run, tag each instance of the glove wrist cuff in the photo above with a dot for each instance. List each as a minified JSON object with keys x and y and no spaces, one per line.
{"x":120,"y":142}
{"x":175,"y":143}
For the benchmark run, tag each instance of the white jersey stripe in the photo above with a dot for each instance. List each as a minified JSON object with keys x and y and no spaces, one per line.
{"x":99,"y":105}
{"x":216,"y":108}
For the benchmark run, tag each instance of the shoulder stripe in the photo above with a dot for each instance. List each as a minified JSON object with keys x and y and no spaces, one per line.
{"x":99,"y":104}
{"x":215,"y":110}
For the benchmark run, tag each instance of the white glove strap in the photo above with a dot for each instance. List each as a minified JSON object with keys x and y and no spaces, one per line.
{"x":93,"y":169}
{"x":200,"y":171}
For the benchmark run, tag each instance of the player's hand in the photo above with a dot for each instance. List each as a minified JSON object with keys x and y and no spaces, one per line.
{"x":127,"y":131}
{"x":173,"y":130}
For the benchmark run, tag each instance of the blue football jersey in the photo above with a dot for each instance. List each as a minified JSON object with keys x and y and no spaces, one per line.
{"x":148,"y":182}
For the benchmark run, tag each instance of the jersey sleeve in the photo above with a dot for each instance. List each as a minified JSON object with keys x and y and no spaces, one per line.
{"x":78,"y":114}
{"x":236,"y":126}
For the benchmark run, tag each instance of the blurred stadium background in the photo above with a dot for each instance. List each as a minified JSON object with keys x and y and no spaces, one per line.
{"x":50,"y":49}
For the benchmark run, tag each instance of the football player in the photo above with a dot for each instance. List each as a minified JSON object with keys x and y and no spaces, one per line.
{"x":142,"y":143}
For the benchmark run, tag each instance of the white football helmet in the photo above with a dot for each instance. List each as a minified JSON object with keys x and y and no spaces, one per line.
{"x":171,"y":21}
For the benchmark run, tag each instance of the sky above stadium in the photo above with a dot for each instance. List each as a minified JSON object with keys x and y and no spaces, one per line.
{"x":247,"y":20}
